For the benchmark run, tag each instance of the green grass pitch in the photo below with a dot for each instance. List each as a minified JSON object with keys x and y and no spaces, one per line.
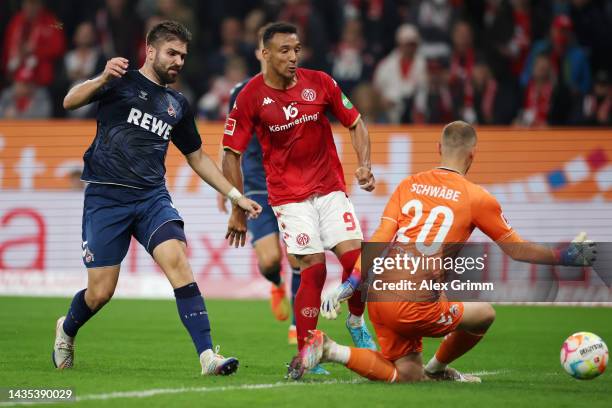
{"x":136,"y":345}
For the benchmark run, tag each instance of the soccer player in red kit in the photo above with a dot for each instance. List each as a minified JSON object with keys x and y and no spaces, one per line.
{"x":286,"y":106}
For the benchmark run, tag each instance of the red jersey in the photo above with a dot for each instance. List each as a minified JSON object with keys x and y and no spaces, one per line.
{"x":299,"y":154}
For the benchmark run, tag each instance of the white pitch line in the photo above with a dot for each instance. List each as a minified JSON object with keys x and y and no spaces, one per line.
{"x":166,"y":391}
{"x":485,"y":373}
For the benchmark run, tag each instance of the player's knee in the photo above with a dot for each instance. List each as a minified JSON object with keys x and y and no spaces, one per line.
{"x":307,"y":261}
{"x":176,"y":261}
{"x":409,"y":373}
{"x":488,"y":315}
{"x":269,"y":264}
{"x":96,"y":298}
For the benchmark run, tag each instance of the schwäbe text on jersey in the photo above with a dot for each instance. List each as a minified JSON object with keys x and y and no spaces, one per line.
{"x":150,"y":123}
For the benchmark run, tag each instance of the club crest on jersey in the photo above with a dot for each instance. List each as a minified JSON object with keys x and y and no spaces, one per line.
{"x":309,"y":95}
{"x":171,"y":110}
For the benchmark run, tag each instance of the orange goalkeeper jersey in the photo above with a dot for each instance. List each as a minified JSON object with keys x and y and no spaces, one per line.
{"x":441,"y":206}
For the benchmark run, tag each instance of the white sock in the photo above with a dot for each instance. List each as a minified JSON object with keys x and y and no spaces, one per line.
{"x":338,"y":353}
{"x":434,"y":366}
{"x":355,"y":321}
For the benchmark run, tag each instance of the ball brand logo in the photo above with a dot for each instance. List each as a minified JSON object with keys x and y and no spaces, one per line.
{"x":302,"y":239}
{"x":310,"y":312}
{"x":309,"y":95}
{"x":290,"y":111}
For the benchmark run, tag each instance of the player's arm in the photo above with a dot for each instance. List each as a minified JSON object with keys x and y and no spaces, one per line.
{"x":83,"y":93}
{"x":236,"y":136}
{"x":221,"y":199}
{"x":208,"y":171}
{"x":237,"y":228}
{"x":580,"y":252}
{"x":489,"y":219}
{"x":361,"y":143}
{"x":347,"y":114}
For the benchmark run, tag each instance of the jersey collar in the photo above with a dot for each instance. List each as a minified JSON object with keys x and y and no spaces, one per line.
{"x":449,"y":169}
{"x":150,"y":80}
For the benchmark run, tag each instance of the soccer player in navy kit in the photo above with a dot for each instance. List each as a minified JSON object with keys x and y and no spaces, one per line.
{"x":138,"y":115}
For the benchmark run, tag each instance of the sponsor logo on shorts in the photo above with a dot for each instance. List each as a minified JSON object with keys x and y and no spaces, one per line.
{"x":454,"y":310}
{"x":88,"y":256}
{"x":310,"y":312}
{"x":302,"y":239}
{"x":309,"y":95}
{"x":445,"y":320}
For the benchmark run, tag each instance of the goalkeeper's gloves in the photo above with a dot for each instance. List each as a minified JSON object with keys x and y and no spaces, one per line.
{"x":580,"y":252}
{"x":330,"y":306}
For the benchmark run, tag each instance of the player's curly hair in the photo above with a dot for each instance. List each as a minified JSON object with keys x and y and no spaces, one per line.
{"x":167,"y":31}
{"x":268,"y":31}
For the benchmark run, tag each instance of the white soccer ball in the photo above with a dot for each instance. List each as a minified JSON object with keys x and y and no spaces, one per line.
{"x":584,"y":355}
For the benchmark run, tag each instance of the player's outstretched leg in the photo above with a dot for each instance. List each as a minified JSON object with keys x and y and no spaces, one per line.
{"x":476,"y":319}
{"x":320,"y":348}
{"x":101,"y":283}
{"x":355,"y":322}
{"x":171,"y":256}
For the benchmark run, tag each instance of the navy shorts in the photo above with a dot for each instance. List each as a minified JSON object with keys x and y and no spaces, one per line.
{"x":266,"y":223}
{"x":113,"y":214}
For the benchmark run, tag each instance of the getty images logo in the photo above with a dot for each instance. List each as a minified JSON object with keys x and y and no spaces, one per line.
{"x":290,"y":111}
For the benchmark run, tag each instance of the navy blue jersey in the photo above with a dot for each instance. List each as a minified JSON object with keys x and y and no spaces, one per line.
{"x":137,"y":118}
{"x":252,"y":158}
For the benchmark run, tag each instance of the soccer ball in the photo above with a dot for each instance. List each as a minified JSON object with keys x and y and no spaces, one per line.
{"x":584,"y":355}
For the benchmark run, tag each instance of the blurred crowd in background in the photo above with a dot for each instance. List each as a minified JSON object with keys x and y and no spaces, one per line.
{"x":522,"y":62}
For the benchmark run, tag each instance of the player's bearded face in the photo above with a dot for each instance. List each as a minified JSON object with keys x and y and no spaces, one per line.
{"x":282,"y":54}
{"x":169,"y":60}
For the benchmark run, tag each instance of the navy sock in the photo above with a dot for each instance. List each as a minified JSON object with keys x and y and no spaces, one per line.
{"x":273,"y":274}
{"x":194,"y":316}
{"x":295,"y":285}
{"x":78,"y":314}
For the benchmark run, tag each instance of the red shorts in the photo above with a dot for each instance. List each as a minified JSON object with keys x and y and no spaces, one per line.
{"x":401,"y":326}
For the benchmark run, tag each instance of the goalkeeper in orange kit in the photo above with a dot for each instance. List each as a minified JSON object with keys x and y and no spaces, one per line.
{"x":439,"y":203}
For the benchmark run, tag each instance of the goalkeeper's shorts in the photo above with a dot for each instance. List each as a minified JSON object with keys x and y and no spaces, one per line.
{"x":401,"y":326}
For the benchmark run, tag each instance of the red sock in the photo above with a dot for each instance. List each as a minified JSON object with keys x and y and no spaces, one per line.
{"x":308,"y":300}
{"x":348,"y":259}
